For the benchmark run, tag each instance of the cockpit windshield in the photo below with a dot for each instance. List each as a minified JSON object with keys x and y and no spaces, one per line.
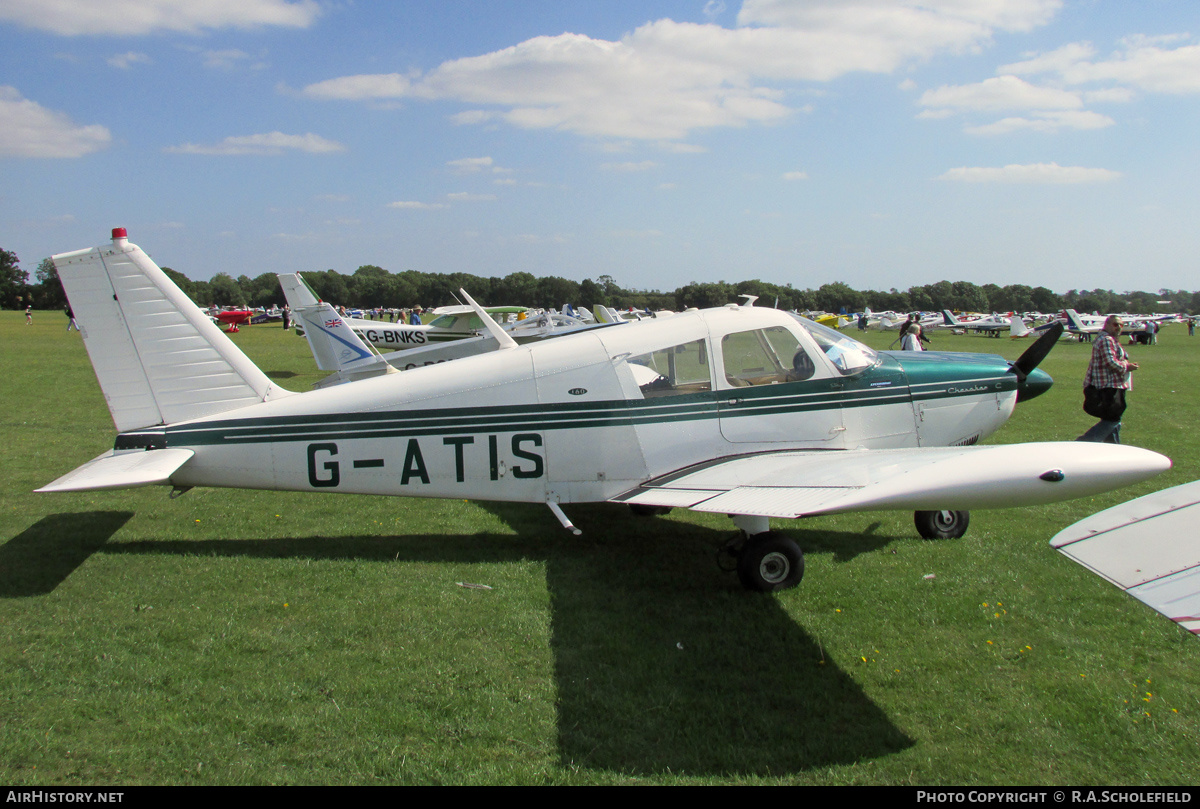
{"x":848,"y":355}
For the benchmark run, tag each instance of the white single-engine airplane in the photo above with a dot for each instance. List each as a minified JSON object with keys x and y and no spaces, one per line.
{"x":744,"y":411}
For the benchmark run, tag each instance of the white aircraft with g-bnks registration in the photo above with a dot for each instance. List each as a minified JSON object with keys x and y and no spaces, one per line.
{"x":739,"y":410}
{"x":339,"y":347}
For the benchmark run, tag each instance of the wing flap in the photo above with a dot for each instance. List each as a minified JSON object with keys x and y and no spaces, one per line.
{"x":122,"y":470}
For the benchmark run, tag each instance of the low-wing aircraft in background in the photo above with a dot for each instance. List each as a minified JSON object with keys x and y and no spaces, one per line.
{"x":337,"y":346}
{"x":233,"y":318}
{"x":739,"y":410}
{"x":451,"y":324}
{"x":992,"y":325}
{"x":1086,"y":327}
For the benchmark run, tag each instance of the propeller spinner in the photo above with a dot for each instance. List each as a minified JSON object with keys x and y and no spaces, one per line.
{"x":1030,"y":381}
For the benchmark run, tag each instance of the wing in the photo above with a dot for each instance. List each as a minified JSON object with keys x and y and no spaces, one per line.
{"x":1148,"y":547}
{"x":805,"y":483}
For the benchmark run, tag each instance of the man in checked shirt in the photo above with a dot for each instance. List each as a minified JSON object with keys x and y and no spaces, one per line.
{"x":1109,"y":372}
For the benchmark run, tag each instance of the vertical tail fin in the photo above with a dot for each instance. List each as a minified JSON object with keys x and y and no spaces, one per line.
{"x":158,"y":358}
{"x":296,"y":291}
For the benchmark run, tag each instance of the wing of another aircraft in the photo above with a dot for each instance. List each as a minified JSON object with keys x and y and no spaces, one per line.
{"x":804,"y":483}
{"x":1148,"y":547}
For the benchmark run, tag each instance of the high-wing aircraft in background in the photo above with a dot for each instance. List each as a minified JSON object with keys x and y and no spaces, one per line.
{"x":740,"y":410}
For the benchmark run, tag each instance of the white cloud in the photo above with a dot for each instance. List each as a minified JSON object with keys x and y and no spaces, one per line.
{"x":470,"y":117}
{"x":1049,"y":109}
{"x":476,"y":165}
{"x":124,"y":61}
{"x":1048,"y":122}
{"x":28,"y":129}
{"x":470,"y":165}
{"x":361,"y":88}
{"x":135,"y":17}
{"x":713,"y":9}
{"x":1143,"y":64}
{"x":409,"y":205}
{"x":1000,"y":93}
{"x":792,"y":176}
{"x":1037,"y":173}
{"x":923,"y":17}
{"x":666,"y":78}
{"x":224,"y":60}
{"x":266,"y":144}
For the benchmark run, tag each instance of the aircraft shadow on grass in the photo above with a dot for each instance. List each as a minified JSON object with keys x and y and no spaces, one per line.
{"x":680,"y":672}
{"x":41,"y":557}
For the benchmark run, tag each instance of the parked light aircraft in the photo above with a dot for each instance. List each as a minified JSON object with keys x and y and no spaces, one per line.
{"x":992,"y":325}
{"x":233,"y":317}
{"x":338,"y":347}
{"x":1087,"y":327}
{"x":451,"y":324}
{"x":739,"y":410}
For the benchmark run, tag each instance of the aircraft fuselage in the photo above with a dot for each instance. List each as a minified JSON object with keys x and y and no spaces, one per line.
{"x":580,"y":418}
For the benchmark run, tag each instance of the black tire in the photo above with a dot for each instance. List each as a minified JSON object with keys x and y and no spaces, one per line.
{"x":942,"y":524}
{"x":640,"y":510}
{"x":770,"y":561}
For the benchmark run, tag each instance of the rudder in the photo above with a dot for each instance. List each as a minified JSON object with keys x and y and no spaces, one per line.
{"x":157,"y":357}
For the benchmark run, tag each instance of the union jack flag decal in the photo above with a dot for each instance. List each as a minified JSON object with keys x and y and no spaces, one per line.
{"x":333,"y":324}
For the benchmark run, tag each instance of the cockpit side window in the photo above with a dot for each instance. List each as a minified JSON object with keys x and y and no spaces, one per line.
{"x":673,"y":371}
{"x":847,"y":355}
{"x":764,"y":357}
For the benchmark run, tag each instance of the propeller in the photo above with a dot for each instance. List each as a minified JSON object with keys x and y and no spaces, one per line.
{"x":1028,"y":362}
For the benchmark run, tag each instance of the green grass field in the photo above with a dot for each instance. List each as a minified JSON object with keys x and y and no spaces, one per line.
{"x":230,"y":637}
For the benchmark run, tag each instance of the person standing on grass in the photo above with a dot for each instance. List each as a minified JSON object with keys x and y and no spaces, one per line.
{"x":912,"y":339}
{"x":29,"y":314}
{"x":71,"y":324}
{"x":1108,"y":375}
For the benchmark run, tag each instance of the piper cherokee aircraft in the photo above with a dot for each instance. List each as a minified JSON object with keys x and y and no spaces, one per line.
{"x":739,"y":410}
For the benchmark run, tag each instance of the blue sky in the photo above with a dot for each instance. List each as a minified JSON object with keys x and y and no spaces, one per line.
{"x":878,"y":143}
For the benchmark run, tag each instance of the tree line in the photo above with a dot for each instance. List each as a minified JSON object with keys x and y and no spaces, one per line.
{"x":370,"y":286}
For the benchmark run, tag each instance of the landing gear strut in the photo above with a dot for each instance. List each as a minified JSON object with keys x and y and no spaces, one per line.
{"x":942,"y":524}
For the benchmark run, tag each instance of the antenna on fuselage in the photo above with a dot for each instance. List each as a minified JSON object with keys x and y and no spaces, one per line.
{"x":750,"y":299}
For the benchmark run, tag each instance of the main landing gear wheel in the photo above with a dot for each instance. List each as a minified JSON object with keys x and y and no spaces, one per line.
{"x":770,"y":561}
{"x":942,"y":524}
